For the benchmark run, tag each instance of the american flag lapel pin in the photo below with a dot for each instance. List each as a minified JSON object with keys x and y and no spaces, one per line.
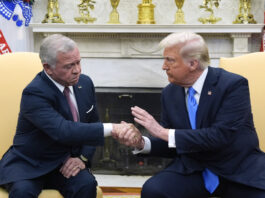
{"x":209,"y":93}
{"x":79,"y":87}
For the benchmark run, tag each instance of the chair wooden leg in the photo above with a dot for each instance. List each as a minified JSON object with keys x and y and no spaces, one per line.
{"x":99,"y":192}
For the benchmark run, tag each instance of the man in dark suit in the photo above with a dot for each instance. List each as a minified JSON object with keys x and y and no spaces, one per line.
{"x":58,"y":127}
{"x":206,"y":127}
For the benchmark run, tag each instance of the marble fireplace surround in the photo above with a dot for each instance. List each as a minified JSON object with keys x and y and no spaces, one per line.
{"x":129,"y":56}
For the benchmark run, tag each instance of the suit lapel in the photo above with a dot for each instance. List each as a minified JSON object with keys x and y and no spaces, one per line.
{"x":64,"y":107}
{"x":180,"y":108}
{"x":207,"y":96}
{"x":50,"y":83}
{"x":185,"y":110}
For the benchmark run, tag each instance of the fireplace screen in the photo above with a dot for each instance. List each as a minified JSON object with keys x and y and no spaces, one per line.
{"x":114,"y":106}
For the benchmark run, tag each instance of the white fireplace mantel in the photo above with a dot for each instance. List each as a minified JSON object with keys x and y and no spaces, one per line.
{"x":112,"y":28}
{"x":239,"y":33}
{"x":129,"y":55}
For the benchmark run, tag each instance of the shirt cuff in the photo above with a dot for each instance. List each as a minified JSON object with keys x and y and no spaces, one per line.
{"x":107,"y":129}
{"x":171,"y":138}
{"x":146,"y":149}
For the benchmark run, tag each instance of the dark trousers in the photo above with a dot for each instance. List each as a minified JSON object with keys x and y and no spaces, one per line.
{"x":172,"y":185}
{"x":83,"y":185}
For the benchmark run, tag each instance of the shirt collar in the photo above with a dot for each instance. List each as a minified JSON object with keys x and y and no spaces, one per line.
{"x":197,"y":86}
{"x":58,"y":85}
{"x":200,"y":81}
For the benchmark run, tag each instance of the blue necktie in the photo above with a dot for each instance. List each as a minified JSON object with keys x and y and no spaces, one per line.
{"x":211,"y":181}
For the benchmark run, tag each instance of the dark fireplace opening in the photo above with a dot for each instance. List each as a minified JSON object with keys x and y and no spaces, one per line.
{"x":114,"y":106}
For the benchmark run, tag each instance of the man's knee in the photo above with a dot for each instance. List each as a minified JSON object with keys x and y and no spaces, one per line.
{"x":151,"y":189}
{"x":89,"y":189}
{"x":23,"y":189}
{"x":84,"y":185}
{"x":90,"y":186}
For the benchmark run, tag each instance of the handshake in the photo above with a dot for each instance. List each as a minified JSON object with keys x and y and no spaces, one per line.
{"x":128,"y":134}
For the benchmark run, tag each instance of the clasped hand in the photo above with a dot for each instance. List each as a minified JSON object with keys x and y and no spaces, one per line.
{"x":127,"y":134}
{"x":72,"y":166}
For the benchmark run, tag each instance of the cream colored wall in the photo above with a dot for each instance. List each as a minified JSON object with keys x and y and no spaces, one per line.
{"x":164,"y":11}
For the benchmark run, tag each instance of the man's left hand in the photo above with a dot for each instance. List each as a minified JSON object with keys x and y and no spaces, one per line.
{"x":143,"y":118}
{"x":72,"y":166}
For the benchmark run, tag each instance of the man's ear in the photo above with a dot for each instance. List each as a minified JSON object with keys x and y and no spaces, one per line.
{"x":47,"y":68}
{"x":193,"y":64}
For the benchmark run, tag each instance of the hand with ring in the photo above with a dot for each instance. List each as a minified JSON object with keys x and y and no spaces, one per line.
{"x":72,"y":166}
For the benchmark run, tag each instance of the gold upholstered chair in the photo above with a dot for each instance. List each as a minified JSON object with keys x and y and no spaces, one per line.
{"x":17,"y":70}
{"x":252,"y":67}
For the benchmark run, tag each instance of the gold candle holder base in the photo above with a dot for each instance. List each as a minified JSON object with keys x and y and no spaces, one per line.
{"x":53,"y":20}
{"x":146,"y":12}
{"x":244,"y":16}
{"x":85,"y":19}
{"x":209,"y":20}
{"x":114,"y":15}
{"x":179,"y":18}
{"x":51,"y":16}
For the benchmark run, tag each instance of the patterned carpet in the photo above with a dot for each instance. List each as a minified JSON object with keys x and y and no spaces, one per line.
{"x":121,"y":192}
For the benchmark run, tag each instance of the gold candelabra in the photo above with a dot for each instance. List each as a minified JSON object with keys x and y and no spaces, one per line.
{"x":84,"y":11}
{"x":53,"y":15}
{"x":179,"y":19}
{"x":146,"y":12}
{"x":208,"y":6}
{"x":244,"y":15}
{"x":114,"y":15}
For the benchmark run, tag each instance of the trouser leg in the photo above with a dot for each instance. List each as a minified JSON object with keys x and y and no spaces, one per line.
{"x":25,"y":188}
{"x":83,"y":185}
{"x":173,"y":185}
{"x":239,"y":190}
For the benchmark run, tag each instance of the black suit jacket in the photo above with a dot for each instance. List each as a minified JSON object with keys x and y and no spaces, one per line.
{"x":46,"y":134}
{"x":225,"y":140}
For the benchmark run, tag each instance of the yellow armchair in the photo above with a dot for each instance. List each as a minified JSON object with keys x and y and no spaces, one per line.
{"x":17,"y":70}
{"x":252,"y":67}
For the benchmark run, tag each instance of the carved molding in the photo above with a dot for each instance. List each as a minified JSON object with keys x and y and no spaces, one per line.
{"x":141,"y":41}
{"x":240,"y":43}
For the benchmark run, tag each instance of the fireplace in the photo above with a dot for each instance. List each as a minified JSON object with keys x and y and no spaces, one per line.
{"x":114,"y":106}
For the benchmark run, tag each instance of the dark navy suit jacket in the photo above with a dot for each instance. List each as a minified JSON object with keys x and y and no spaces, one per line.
{"x":225,"y":140}
{"x":46,"y":134}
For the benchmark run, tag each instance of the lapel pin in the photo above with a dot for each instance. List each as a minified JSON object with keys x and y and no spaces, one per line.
{"x":79,"y":87}
{"x":209,"y":93}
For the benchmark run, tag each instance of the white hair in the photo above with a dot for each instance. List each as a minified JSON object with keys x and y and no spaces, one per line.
{"x":193,"y":47}
{"x":53,"y":44}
